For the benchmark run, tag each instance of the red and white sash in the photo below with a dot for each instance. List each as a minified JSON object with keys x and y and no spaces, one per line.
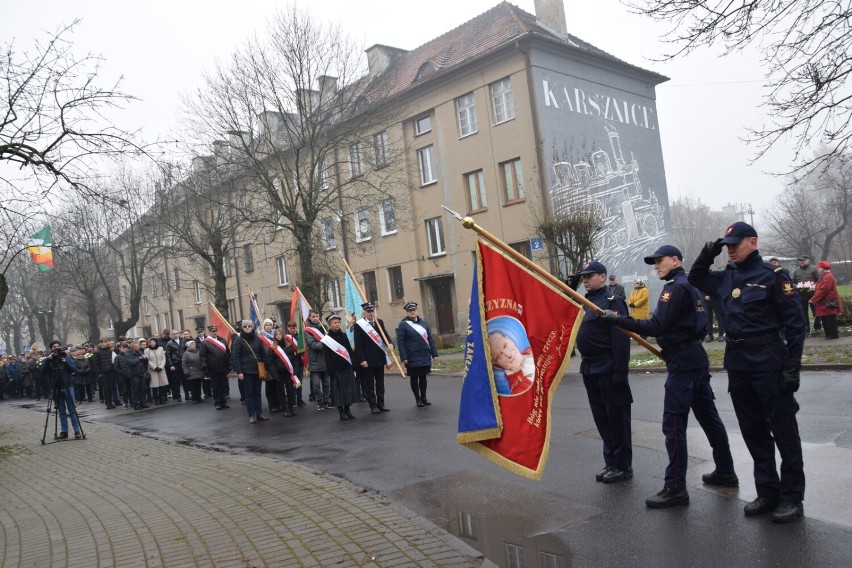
{"x":216,"y":343}
{"x":281,"y":355}
{"x":315,"y":333}
{"x":337,"y":348}
{"x":421,"y":331}
{"x":374,"y":335}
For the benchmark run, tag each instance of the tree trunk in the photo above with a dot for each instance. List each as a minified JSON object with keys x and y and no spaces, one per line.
{"x":18,"y":338}
{"x":220,"y":287}
{"x":92,"y":314}
{"x":310,"y":284}
{"x":4,"y":289}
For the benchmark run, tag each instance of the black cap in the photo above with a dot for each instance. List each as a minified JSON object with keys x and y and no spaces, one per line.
{"x":665,"y":250}
{"x":368,"y":307}
{"x":213,"y":327}
{"x":737,"y":232}
{"x":410,"y":306}
{"x":804,"y":257}
{"x":199,"y":329}
{"x":330,"y":317}
{"x":594,"y":267}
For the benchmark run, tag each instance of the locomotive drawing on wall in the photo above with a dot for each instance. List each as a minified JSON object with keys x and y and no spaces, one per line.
{"x":606,"y":184}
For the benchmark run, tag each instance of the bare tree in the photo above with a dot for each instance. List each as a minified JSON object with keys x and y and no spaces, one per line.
{"x":804,"y":46}
{"x":693,"y":224}
{"x":306,"y":131}
{"x":570,"y":235}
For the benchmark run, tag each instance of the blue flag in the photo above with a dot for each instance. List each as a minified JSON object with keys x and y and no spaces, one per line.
{"x":352,"y":305}
{"x":253,"y":311}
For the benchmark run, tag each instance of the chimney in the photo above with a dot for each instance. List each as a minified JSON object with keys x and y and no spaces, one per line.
{"x":307,"y":100}
{"x":220,"y":151}
{"x":379,"y":58}
{"x":551,"y":13}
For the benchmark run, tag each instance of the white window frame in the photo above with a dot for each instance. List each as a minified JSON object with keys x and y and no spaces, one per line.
{"x":332,"y":289}
{"x":502,"y":100}
{"x":356,"y":164}
{"x":248,"y":258}
{"x":517,"y":170}
{"x":514,"y":555}
{"x":418,"y":124}
{"x":110,"y":323}
{"x":474,"y":182}
{"x":147,"y":305}
{"x":281,"y":266}
{"x":362,"y":218}
{"x":329,"y":240}
{"x":176,"y":278}
{"x":435,"y":237}
{"x":426,"y":163}
{"x":380,"y":148}
{"x":383,"y":224}
{"x":197,"y":290}
{"x":466,"y":115}
{"x":393,"y":296}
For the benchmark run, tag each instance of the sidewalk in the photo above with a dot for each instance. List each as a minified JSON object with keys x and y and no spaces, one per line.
{"x":121,"y":500}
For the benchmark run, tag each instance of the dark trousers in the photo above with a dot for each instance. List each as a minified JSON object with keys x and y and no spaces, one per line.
{"x":207,"y":387}
{"x":194,"y":387}
{"x":611,"y":413}
{"x":175,"y":380}
{"x":137,"y":389}
{"x":373,"y":385}
{"x":808,"y":311}
{"x":687,"y":390}
{"x":418,"y":386}
{"x":830,"y":325}
{"x":768,"y":419}
{"x":219,"y":382}
{"x":714,"y":307}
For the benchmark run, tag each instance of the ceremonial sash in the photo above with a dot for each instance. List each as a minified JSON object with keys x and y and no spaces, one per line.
{"x":371,"y":332}
{"x":337,"y":348}
{"x":315,"y":333}
{"x":421,"y":331}
{"x":216,"y":342}
{"x":281,"y":355}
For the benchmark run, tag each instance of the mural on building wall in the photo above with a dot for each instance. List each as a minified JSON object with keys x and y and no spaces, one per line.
{"x":612,"y":164}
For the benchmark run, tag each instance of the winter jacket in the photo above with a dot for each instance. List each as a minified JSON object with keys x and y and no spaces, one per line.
{"x":214,"y":359}
{"x":333,"y":361}
{"x":316,"y":356}
{"x":102,"y":361}
{"x":191,"y":363}
{"x":826,"y":291}
{"x":246,"y":350}
{"x":411,"y":345}
{"x":638,"y":303}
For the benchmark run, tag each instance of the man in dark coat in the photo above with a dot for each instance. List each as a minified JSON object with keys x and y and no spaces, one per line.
{"x":174,"y":349}
{"x":372,"y":356}
{"x":616,"y":289}
{"x":216,"y":362}
{"x":320,"y":381}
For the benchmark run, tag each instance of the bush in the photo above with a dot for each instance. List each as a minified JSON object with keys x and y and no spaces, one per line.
{"x":844,"y":318}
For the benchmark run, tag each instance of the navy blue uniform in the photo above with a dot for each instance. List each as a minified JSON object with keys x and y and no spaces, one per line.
{"x":761,"y":305}
{"x":680,"y":323}
{"x":606,"y":354}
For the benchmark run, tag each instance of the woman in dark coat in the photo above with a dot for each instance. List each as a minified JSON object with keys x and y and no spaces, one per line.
{"x":826,"y":300}
{"x":193,"y":371}
{"x":344,"y":390}
{"x":246,"y":352}
{"x":280,"y":392}
{"x":417,"y":349}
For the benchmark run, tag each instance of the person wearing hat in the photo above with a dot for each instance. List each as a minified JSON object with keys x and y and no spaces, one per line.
{"x":605,"y":354}
{"x":679,"y":322}
{"x":826,"y":301}
{"x":215,"y":358}
{"x":766,"y":330}
{"x":58,"y":370}
{"x":805,"y":278}
{"x":247,"y":353}
{"x":616,"y":289}
{"x":638,"y":301}
{"x":371,"y":355}
{"x":338,"y":354}
{"x":417,"y":350}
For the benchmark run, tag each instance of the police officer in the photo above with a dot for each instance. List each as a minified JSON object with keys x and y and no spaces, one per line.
{"x":605,"y":354}
{"x":765,"y":336}
{"x":680,"y":323}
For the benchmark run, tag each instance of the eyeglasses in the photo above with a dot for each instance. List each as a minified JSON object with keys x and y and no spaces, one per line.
{"x":248,"y":326}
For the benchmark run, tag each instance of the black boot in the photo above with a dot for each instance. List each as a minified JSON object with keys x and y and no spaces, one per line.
{"x":348,"y":412}
{"x":343,"y":415}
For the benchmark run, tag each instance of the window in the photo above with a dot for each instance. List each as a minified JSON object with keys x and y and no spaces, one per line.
{"x":356,"y":166}
{"x":282,"y":271}
{"x":333,"y":289}
{"x":380,"y":148}
{"x":387,"y":216}
{"x":165,"y":322}
{"x":147,"y":305}
{"x":180,"y":320}
{"x":423,"y":124}
{"x":395,"y":279}
{"x":466,"y":526}
{"x":176,"y":275}
{"x":242,"y":201}
{"x":232,"y":309}
{"x":321,"y":174}
{"x":502,"y":100}
{"x":523,"y":247}
{"x":550,"y":560}
{"x":475,"y":184}
{"x":153,"y":284}
{"x":426,"y":158}
{"x":466,"y":111}
{"x":370,"y":286}
{"x":197,"y":285}
{"x":362,"y":225}
{"x":513,"y":180}
{"x":162,"y":276}
{"x":328,"y":240}
{"x":110,"y":323}
{"x":514,"y":555}
{"x":248,"y":258}
{"x":435,"y":234}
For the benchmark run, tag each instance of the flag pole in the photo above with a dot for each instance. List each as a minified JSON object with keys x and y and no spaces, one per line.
{"x":469,"y":223}
{"x":381,"y":331}
{"x":324,"y":330}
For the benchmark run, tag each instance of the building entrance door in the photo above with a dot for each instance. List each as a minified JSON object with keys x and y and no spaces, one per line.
{"x":442,"y":293}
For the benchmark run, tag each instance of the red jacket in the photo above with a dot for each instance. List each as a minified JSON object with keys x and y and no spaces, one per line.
{"x":826,"y":289}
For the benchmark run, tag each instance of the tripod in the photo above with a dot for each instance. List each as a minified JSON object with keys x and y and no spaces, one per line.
{"x":57,"y":387}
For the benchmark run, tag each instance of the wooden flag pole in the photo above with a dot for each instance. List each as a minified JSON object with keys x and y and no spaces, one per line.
{"x":310,"y":308}
{"x":381,"y":331}
{"x":469,"y":223}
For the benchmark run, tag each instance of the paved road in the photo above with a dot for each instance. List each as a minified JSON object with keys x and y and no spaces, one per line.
{"x":409,"y":456}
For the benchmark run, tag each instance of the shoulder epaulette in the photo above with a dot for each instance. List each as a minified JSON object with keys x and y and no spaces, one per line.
{"x":669,"y":282}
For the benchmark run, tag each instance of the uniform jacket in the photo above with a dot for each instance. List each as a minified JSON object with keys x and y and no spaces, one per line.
{"x":680,"y":317}
{"x":246,"y":351}
{"x":366,"y":349}
{"x":213,"y":359}
{"x":826,"y":289}
{"x":316,"y":356}
{"x":191,"y":364}
{"x":758,"y":299}
{"x":639,"y":299}
{"x":599,"y":340}
{"x":411,"y":346}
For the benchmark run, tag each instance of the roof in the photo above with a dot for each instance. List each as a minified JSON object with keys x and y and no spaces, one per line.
{"x":491,"y":30}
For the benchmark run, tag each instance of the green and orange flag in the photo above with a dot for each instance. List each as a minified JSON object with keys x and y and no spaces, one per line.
{"x":38,"y":245}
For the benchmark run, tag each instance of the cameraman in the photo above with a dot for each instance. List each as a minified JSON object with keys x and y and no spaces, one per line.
{"x":58,"y":371}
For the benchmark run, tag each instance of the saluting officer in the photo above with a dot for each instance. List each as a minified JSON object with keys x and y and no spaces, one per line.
{"x":605,"y":355}
{"x":680,"y":323}
{"x":765,"y":336}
